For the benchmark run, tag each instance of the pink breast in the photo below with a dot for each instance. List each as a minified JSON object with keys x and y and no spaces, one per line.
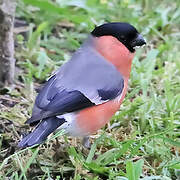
{"x":93,"y":118}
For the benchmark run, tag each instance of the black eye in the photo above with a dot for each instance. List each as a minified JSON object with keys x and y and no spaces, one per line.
{"x":122,"y":37}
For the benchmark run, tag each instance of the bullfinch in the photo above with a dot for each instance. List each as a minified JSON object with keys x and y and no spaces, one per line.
{"x":83,"y":95}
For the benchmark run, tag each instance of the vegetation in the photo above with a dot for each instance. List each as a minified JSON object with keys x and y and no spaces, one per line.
{"x":142,"y":141}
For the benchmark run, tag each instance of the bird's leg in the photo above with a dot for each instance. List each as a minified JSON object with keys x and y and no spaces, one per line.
{"x":86,"y":142}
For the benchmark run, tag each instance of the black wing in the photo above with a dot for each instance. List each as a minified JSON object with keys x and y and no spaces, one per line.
{"x":59,"y":102}
{"x":51,"y":101}
{"x":86,"y":80}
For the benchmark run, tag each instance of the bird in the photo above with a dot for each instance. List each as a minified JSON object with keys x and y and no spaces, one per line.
{"x":85,"y":92}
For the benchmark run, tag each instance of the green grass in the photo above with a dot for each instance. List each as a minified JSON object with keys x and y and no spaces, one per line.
{"x":142,"y":141}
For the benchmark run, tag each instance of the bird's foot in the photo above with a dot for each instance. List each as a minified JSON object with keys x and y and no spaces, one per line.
{"x":86,"y":142}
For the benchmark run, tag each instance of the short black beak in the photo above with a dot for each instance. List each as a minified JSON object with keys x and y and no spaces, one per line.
{"x":138,"y":41}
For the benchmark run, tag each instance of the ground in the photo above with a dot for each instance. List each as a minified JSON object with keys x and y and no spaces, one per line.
{"x":142,"y":141}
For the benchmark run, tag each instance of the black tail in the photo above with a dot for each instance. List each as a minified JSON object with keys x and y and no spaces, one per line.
{"x":46,"y":127}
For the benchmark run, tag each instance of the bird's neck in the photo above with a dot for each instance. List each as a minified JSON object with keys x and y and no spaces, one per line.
{"x":116,"y":53}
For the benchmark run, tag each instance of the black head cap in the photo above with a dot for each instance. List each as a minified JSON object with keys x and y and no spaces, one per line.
{"x":124,"y":32}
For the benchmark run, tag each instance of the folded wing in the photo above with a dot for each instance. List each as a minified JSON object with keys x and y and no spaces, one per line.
{"x":86,"y":80}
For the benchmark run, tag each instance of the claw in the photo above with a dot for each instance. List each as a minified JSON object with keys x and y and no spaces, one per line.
{"x":86,"y":142}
